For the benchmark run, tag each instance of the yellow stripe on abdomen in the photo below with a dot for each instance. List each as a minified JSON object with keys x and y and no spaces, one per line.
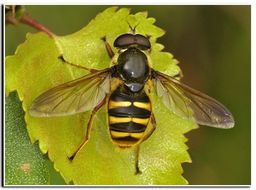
{"x":137,"y":135}
{"x":143,"y":121}
{"x":118,"y":134}
{"x":117,"y":104}
{"x":113,"y":119}
{"x":143,"y":105}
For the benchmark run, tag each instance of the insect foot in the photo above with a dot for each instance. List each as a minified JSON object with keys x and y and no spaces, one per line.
{"x":71,"y":158}
{"x":138,"y":172}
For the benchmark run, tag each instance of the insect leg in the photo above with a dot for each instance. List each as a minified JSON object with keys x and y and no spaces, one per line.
{"x":153,"y":122}
{"x":89,"y":127}
{"x":179,"y":75}
{"x":137,"y":151}
{"x":78,"y":66}
{"x":108,"y":47}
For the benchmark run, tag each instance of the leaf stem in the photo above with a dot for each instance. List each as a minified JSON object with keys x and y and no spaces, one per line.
{"x":16,"y":14}
{"x":28,"y":20}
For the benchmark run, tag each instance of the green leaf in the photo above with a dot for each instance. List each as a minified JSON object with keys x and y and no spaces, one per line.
{"x":35,"y":67}
{"x":24,"y":163}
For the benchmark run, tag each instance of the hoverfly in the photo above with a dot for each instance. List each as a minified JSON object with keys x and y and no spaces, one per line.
{"x":129,"y":105}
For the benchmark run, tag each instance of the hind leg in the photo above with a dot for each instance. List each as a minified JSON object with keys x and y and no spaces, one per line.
{"x":137,"y":148}
{"x":89,"y":127}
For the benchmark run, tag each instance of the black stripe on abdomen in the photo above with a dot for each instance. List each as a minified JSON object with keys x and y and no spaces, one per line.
{"x":130,"y":111}
{"x":128,"y":127}
{"x":128,"y":116}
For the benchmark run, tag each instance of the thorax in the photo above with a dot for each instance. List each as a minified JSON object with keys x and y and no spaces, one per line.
{"x":133,"y":68}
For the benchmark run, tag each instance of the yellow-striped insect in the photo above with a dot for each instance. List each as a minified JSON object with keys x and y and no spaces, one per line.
{"x":129,"y":105}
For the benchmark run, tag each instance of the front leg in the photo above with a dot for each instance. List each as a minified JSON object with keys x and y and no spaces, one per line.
{"x":108,"y":47}
{"x":78,"y":66}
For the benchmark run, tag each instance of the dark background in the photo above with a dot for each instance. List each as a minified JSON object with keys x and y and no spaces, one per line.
{"x":212,"y":44}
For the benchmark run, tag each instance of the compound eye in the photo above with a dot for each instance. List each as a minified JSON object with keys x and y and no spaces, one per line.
{"x":142,"y":42}
{"x":126,"y":40}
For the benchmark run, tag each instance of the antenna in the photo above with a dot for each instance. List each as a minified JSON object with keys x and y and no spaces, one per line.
{"x":133,"y":29}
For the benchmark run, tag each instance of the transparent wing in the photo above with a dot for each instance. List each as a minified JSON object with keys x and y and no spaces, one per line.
{"x":191,"y":104}
{"x":76,"y":96}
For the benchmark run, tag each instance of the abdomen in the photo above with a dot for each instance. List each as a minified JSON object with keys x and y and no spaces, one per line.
{"x":128,"y":116}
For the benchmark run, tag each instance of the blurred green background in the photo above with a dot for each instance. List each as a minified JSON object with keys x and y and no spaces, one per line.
{"x":212,"y":44}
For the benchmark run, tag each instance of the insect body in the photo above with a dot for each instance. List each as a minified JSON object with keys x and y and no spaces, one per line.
{"x":129,"y":105}
{"x":129,"y":115}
